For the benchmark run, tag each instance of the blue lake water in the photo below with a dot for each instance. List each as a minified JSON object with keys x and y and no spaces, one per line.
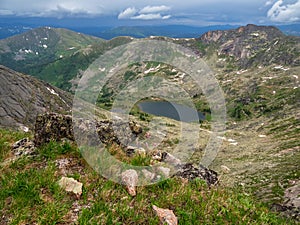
{"x":171,"y":110}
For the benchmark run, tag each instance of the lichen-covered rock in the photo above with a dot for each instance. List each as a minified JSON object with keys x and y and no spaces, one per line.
{"x":190,"y":172}
{"x":53,"y":126}
{"x":23,"y":147}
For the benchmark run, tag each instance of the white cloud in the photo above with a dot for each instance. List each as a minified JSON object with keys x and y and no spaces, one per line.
{"x":284,"y":13}
{"x":53,"y":8}
{"x":151,"y":16}
{"x":269,"y":2}
{"x":146,"y":13}
{"x":154,"y":9}
{"x":127,"y":13}
{"x":166,"y":17}
{"x":5,"y":12}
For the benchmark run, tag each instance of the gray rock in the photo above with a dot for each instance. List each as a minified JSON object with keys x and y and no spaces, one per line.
{"x":148,"y":175}
{"x":164,"y":171}
{"x":191,"y":172}
{"x":54,"y":126}
{"x":170,"y":159}
{"x":23,"y":97}
{"x":23,"y":147}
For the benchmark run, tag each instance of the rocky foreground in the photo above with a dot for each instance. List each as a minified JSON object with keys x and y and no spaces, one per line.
{"x":56,"y":127}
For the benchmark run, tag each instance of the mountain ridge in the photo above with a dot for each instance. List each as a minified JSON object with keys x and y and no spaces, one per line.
{"x":65,"y":58}
{"x":23,"y":97}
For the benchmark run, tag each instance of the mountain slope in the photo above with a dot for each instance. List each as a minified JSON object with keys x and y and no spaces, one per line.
{"x":22,"y":97}
{"x":59,"y":56}
{"x":30,"y":52}
{"x":251,"y":45}
{"x":53,"y":55}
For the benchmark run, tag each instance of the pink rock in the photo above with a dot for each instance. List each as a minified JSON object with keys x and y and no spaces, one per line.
{"x":130,"y":179}
{"x":165,"y":216}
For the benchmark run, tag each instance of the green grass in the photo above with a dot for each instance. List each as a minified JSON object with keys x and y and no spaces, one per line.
{"x":192,"y":203}
{"x":30,"y":194}
{"x":7,"y":138}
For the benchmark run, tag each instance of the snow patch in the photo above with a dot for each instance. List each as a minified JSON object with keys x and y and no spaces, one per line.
{"x":152,"y":69}
{"x":241,"y":72}
{"x":45,"y":46}
{"x":255,"y":34}
{"x":267,"y":78}
{"x":54,"y":93}
{"x":262,"y":136}
{"x":234,"y":143}
{"x":227,"y":81}
{"x":182,"y":75}
{"x":102,"y":69}
{"x":27,"y":51}
{"x":296,"y":77}
{"x":281,"y":68}
{"x":24,"y":128}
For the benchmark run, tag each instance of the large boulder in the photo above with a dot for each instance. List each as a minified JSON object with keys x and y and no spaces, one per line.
{"x":53,"y":126}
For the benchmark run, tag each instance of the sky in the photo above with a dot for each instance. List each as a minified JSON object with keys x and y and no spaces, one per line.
{"x":185,"y":12}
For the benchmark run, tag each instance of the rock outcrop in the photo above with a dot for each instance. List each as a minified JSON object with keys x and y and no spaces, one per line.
{"x":23,"y":97}
{"x":54,"y":126}
{"x":191,"y":172}
{"x":250,"y":45}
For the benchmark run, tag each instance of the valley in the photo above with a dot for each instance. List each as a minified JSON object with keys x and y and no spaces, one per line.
{"x":257,"y":68}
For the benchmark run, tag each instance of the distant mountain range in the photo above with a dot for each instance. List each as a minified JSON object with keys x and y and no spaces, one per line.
{"x":107,"y":32}
{"x":59,"y":56}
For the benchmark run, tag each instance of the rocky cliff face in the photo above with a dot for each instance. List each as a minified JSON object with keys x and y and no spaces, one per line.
{"x":23,"y":97}
{"x":252,"y":45}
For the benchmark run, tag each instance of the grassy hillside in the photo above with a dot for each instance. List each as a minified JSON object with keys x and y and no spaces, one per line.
{"x":30,"y":194}
{"x":33,"y":51}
